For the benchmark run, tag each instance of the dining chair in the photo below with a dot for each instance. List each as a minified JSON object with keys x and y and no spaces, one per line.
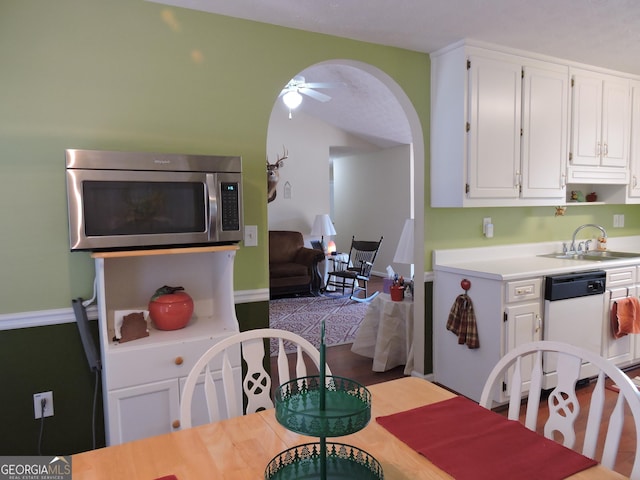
{"x":256,"y":384}
{"x":564,"y":407}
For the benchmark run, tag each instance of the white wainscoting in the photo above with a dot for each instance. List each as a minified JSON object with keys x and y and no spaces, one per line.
{"x":43,"y":318}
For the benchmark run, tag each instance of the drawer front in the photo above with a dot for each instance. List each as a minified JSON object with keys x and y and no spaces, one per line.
{"x":152,"y":363}
{"x":621,"y":276}
{"x":523,"y":290}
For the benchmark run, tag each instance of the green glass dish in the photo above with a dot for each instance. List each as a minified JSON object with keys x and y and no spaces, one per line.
{"x":347,"y":406}
{"x":340,"y":461}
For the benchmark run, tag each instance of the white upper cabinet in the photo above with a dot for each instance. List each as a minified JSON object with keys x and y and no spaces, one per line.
{"x":493,"y":136}
{"x":545,"y":107}
{"x":600,"y":128}
{"x":498,"y":129}
{"x":634,"y":154}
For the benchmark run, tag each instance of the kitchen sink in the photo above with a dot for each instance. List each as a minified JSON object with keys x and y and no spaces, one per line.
{"x":563,"y":256}
{"x":609,"y":253}
{"x":592,"y":255}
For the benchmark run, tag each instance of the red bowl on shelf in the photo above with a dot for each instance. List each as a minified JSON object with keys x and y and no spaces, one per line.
{"x":171,"y":311}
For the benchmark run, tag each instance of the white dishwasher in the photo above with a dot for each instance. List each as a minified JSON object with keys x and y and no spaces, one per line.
{"x":573,"y":313}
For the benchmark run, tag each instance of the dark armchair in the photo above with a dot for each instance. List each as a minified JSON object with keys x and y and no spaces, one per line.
{"x":293,"y":268}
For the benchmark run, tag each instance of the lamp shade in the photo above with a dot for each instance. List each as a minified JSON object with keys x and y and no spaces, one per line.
{"x":404,"y":251}
{"x":322,"y":225}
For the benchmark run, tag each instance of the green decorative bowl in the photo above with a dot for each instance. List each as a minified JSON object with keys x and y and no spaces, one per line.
{"x":340,"y":461}
{"x":347,"y":406}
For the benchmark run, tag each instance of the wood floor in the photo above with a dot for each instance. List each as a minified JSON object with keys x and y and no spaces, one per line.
{"x":345,"y":363}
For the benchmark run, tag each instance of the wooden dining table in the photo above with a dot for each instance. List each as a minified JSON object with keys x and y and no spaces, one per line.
{"x":241,"y":447}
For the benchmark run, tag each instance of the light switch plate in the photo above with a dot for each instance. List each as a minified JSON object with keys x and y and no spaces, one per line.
{"x":250,"y":235}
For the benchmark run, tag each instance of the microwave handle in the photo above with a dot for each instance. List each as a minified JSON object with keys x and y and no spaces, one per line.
{"x":211,"y":186}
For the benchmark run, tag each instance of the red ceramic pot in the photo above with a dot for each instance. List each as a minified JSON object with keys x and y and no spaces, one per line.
{"x":171,"y":310}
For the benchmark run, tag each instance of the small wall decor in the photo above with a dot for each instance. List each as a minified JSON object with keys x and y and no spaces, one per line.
{"x":560,"y":211}
{"x":273,"y":174}
{"x":287,"y":191}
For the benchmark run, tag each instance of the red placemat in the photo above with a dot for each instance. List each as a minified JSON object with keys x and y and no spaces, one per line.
{"x":168,"y":477}
{"x":470,"y":442}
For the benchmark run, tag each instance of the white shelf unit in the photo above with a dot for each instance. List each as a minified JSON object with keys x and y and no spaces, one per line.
{"x":142,"y":378}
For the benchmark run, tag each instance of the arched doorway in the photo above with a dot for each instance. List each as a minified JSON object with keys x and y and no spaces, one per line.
{"x":313,"y":139}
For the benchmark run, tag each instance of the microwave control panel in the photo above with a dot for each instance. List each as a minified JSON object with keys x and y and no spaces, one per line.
{"x":230,"y":206}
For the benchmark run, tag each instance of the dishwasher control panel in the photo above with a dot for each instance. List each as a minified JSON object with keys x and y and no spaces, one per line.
{"x":573,"y":285}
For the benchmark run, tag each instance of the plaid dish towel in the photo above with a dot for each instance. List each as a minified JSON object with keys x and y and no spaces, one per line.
{"x":462,"y":322}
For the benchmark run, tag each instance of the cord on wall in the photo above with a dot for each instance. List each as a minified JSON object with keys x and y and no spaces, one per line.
{"x":43,"y":405}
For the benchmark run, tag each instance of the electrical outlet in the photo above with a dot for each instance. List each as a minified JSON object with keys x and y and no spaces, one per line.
{"x":618,"y":221}
{"x":48,"y":406}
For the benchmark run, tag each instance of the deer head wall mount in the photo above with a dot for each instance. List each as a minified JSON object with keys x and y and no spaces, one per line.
{"x":273,"y":174}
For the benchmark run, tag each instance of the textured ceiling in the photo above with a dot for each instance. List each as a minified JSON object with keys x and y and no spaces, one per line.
{"x":605,"y":33}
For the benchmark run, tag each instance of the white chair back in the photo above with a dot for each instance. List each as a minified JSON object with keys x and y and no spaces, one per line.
{"x":564,"y":407}
{"x":256,"y":384}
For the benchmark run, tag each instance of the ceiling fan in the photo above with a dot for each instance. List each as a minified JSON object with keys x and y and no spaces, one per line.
{"x":292,"y":93}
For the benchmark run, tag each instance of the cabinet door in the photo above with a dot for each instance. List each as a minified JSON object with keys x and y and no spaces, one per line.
{"x":494,"y":128}
{"x":142,"y":411}
{"x":544,"y":126}
{"x":634,"y":154}
{"x":618,"y":350}
{"x":523,"y":325}
{"x":586,"y":120}
{"x":615,"y":123}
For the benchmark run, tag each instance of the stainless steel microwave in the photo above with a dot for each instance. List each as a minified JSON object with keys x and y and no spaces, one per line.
{"x":130,"y":200}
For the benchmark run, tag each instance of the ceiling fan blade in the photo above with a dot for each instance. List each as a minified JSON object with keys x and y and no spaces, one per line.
{"x":321,"y":97}
{"x":325,"y":85}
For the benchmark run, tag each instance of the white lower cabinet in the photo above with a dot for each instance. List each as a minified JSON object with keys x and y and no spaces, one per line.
{"x":507,"y":315}
{"x":620,"y":283}
{"x":523,"y":324}
{"x":142,"y":379}
{"x":143,"y":411}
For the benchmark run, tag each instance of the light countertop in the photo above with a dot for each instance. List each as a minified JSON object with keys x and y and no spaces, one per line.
{"x":510,"y":262}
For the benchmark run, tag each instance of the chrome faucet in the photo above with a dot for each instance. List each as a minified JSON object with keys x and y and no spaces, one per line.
{"x":572,"y":248}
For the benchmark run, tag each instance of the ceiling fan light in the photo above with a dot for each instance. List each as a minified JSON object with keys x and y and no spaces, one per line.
{"x":292,"y":99}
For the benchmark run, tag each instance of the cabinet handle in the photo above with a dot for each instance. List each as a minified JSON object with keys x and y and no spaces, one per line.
{"x":606,"y":149}
{"x":598,"y":149}
{"x":175,"y":424}
{"x":179,"y":360}
{"x":538,"y":323}
{"x":563,"y":180}
{"x":635,"y":181}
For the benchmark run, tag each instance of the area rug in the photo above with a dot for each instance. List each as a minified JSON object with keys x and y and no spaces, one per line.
{"x":304,"y":316}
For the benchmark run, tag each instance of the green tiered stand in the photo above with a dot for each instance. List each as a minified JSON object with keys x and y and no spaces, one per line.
{"x":323,"y":406}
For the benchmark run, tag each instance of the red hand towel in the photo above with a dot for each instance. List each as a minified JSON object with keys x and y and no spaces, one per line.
{"x":625,"y":316}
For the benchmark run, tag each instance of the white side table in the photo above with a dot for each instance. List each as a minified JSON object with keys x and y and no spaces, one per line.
{"x":386,"y":334}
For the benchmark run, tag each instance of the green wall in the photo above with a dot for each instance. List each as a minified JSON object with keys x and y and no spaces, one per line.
{"x":462,"y":227}
{"x":134,"y":75}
